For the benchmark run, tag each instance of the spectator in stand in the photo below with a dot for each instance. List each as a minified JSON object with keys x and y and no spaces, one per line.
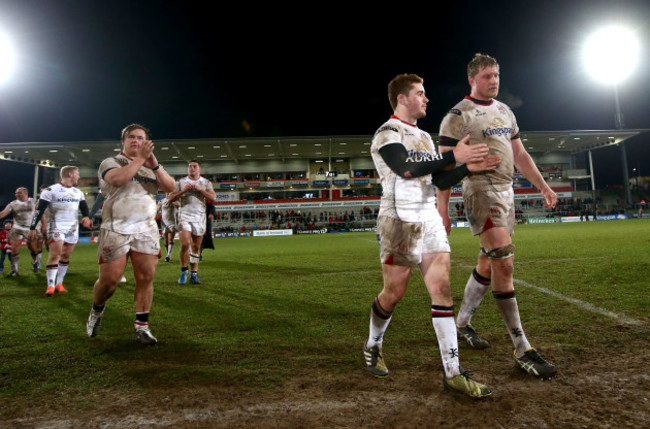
{"x":5,"y":246}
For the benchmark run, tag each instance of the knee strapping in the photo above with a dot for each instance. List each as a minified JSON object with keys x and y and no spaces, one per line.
{"x":500,"y":252}
{"x":194,"y":259}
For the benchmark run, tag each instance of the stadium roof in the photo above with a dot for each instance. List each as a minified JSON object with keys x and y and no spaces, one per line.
{"x":90,"y":153}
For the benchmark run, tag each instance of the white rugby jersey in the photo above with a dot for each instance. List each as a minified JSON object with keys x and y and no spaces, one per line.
{"x":23,"y":211}
{"x":414,"y":199}
{"x":192,"y":207}
{"x":168,"y":212}
{"x":63,"y":206}
{"x":490,"y":122}
{"x":130,"y":208}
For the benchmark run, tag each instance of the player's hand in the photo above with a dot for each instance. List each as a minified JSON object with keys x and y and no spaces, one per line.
{"x":550,"y":198}
{"x":145,"y":151}
{"x":87,"y":223}
{"x":151,"y":161}
{"x":490,"y":162}
{"x":31,"y":235}
{"x":464,"y":153}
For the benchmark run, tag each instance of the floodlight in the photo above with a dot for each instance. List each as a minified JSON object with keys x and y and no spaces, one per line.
{"x":7,"y":59}
{"x":611,"y":54}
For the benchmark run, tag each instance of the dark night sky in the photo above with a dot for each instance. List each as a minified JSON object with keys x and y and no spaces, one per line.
{"x":187,"y":70}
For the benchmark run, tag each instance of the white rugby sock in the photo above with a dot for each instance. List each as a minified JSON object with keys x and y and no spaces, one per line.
{"x":379,"y":321}
{"x":475,"y":290}
{"x":63,"y":269}
{"x":442,"y":318}
{"x":50,"y":274}
{"x":507,"y":304}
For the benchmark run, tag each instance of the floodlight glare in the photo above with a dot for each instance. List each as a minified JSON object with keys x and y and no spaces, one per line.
{"x":611,"y":54}
{"x":7,"y":59}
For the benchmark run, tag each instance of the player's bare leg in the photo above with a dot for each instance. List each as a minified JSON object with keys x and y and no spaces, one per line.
{"x":52,"y":266}
{"x":184,"y":255}
{"x":195,"y":256}
{"x":435,"y":271}
{"x":64,"y":263}
{"x":396,"y":278}
{"x":36,"y":250}
{"x":502,"y":269}
{"x":110,"y":274}
{"x":169,"y":245}
{"x":144,"y":268}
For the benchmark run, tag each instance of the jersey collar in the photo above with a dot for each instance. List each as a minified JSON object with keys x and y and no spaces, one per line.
{"x":404,"y":122}
{"x":481,"y":102}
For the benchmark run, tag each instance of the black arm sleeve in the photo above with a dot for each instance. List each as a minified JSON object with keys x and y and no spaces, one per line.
{"x":83,"y":206}
{"x":38,"y":213}
{"x":449,"y":178}
{"x":447,"y":141}
{"x":98,"y":203}
{"x":398,"y":159}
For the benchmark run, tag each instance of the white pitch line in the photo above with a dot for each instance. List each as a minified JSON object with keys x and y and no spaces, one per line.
{"x":579,"y":303}
{"x":582,"y":304}
{"x":541,"y":261}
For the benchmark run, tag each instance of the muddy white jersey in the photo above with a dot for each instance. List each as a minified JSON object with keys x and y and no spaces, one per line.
{"x":23,"y":211}
{"x":492,"y":123}
{"x":130,"y":208}
{"x":192,"y":207}
{"x":168,"y":212}
{"x":413,"y":199}
{"x":63,"y":206}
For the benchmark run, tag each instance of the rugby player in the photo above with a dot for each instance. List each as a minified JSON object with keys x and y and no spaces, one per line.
{"x":169,"y":218}
{"x":63,"y":202}
{"x":490,"y":207}
{"x":22,"y":209}
{"x":192,"y":192}
{"x":129,"y":183}
{"x":410,"y":230}
{"x":41,"y":233}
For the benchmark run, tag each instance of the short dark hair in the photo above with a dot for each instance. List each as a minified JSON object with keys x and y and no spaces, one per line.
{"x":127,"y":130}
{"x":401,"y":84}
{"x":479,"y":62}
{"x":195,"y":161}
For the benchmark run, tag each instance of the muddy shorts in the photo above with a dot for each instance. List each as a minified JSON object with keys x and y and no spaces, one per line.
{"x":196,"y":228}
{"x":169,"y":227}
{"x":489,"y":209}
{"x":112,"y":245}
{"x":71,"y":236}
{"x":404,"y":243}
{"x":18,"y":233}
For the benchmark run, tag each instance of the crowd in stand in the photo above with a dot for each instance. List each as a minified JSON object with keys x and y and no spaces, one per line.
{"x":292,"y":219}
{"x":346,"y":218}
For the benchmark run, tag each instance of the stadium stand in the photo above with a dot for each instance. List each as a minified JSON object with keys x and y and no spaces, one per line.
{"x":307,"y":183}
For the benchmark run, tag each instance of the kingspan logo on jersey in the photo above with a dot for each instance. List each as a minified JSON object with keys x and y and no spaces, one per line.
{"x":67,"y":200}
{"x":497,"y":128}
